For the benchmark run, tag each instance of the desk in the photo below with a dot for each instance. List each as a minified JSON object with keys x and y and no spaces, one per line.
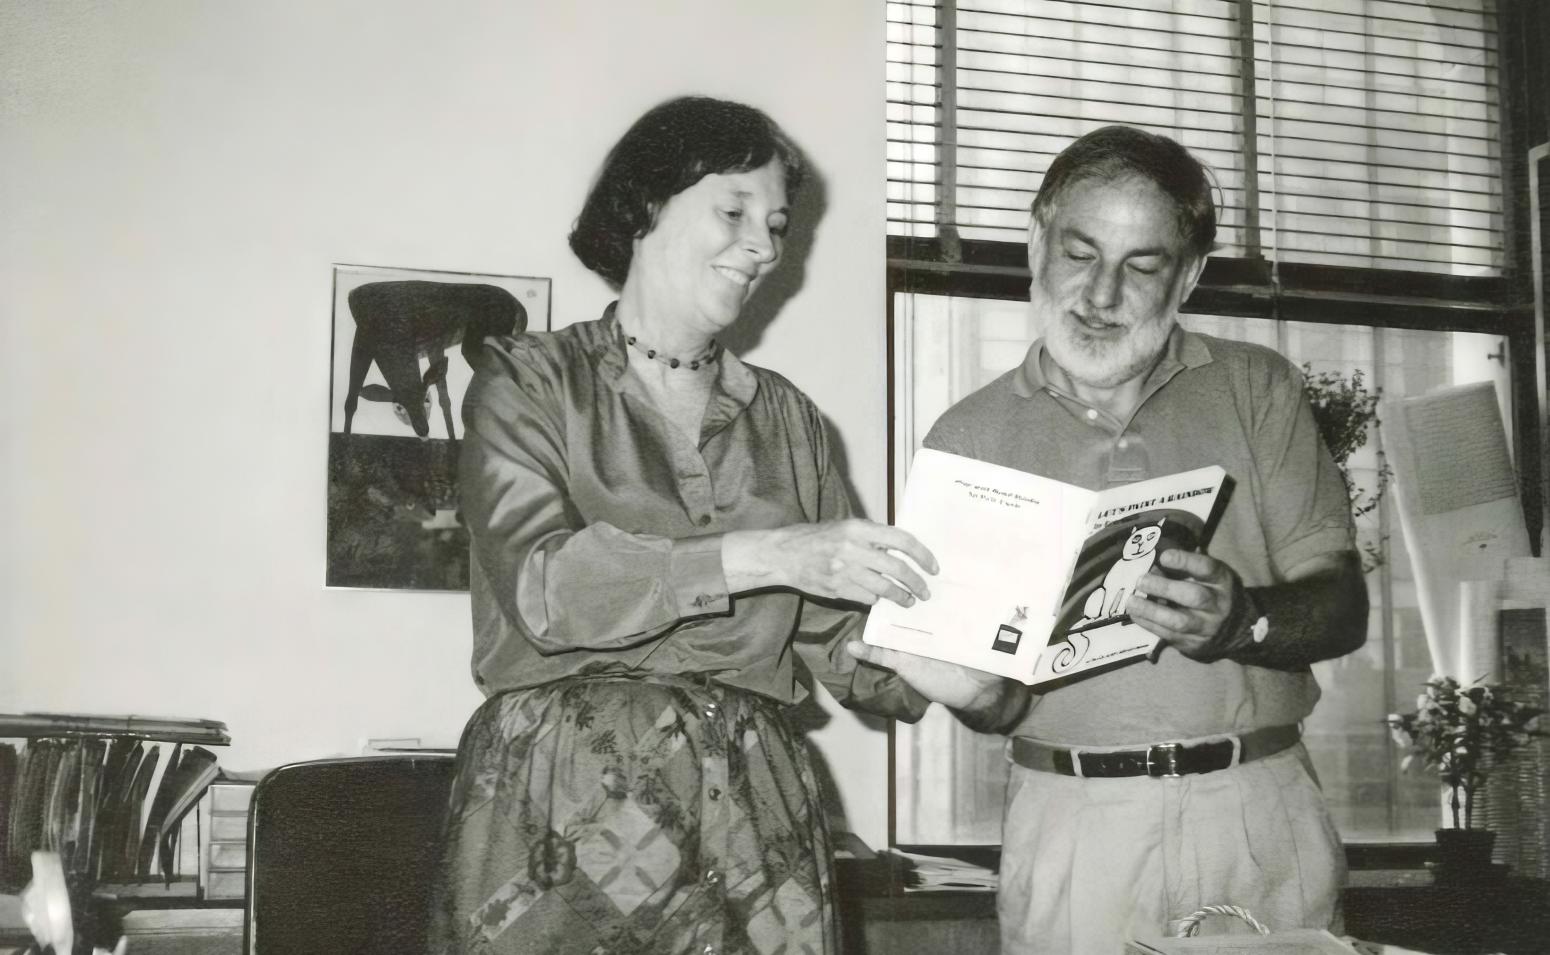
{"x":921,"y":923}
{"x":1394,"y":907}
{"x":1511,"y":916}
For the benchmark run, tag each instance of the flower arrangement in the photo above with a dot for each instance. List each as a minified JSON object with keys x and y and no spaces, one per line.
{"x":1455,"y":727}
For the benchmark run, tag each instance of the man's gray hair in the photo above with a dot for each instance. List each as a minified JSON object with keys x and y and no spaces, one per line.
{"x":1114,"y":152}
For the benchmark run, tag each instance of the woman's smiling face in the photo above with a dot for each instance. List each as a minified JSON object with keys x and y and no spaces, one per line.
{"x":711,"y":244}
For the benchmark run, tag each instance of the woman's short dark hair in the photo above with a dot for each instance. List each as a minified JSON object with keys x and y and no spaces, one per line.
{"x":670,"y":148}
{"x":1114,"y":152}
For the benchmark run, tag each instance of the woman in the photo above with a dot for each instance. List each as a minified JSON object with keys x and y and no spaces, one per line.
{"x":650,"y":517}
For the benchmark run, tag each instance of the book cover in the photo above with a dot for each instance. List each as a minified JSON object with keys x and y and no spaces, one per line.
{"x":43,"y":758}
{"x":117,"y":812}
{"x":160,"y":802}
{"x":127,"y":853}
{"x":93,"y":749}
{"x":60,"y":822}
{"x":1036,"y":575}
{"x":183,"y":786}
{"x":118,"y":769}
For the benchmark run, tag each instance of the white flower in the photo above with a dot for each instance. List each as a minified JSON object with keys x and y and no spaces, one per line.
{"x":1467,"y":706}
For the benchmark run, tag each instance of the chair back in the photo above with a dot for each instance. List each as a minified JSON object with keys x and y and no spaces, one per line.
{"x":343,"y":854}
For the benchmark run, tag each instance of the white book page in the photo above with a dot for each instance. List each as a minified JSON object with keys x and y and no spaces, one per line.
{"x":1005,"y":541}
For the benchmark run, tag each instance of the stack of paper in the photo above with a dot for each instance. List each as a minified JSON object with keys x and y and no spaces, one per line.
{"x":923,"y":872}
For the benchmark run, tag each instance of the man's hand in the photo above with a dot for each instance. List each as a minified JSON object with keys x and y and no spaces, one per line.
{"x":983,"y":701}
{"x":1318,"y":612}
{"x":1203,"y":614}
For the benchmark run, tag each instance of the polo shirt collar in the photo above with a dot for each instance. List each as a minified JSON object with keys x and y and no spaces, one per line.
{"x":1184,"y":349}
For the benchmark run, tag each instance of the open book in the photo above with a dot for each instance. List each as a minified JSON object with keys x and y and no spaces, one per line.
{"x":1035,"y":574}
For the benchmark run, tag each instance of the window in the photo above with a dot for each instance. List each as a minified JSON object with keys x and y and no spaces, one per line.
{"x":1362,"y":138}
{"x":948,"y":781}
{"x":1355,"y":149}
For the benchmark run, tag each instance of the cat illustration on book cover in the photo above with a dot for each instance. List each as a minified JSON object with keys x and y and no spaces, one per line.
{"x":1135,"y":559}
{"x":1113,"y":560}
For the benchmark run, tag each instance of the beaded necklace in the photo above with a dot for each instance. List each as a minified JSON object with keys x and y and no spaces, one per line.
{"x":694,"y":364}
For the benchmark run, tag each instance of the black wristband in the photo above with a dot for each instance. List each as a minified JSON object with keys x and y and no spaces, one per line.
{"x":1242,"y":632}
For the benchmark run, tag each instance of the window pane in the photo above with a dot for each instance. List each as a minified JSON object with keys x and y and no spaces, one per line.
{"x":949,"y":782}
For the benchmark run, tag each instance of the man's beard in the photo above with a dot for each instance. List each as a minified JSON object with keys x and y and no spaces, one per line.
{"x":1103,"y":363}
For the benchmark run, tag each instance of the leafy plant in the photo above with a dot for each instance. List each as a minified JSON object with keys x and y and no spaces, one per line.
{"x":1454,"y":728}
{"x":1345,"y":411}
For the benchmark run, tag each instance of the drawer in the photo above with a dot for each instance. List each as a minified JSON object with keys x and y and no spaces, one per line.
{"x":226,"y":885}
{"x":230,"y":797}
{"x":228,"y":855}
{"x":228,"y":827}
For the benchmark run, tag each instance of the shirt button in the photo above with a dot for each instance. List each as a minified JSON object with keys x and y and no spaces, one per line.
{"x":710,"y":709}
{"x":1122,"y":444}
{"x":715,"y":794}
{"x":712,"y":876}
{"x":1092,"y":414}
{"x":709,"y":950}
{"x":703,"y":520}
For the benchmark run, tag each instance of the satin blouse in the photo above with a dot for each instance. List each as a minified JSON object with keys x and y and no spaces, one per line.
{"x":596,"y":525}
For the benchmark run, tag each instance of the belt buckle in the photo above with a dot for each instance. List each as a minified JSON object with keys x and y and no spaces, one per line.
{"x":1162,"y":760}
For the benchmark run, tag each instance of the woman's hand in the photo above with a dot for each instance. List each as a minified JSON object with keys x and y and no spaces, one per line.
{"x":854,"y":559}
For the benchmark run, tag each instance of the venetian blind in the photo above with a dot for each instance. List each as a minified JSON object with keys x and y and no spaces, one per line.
{"x":1344,"y":132}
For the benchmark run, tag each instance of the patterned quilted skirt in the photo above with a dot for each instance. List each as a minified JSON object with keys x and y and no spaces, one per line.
{"x":608,"y":814}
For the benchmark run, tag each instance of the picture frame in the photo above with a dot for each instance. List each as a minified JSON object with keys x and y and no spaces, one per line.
{"x":402,"y":339}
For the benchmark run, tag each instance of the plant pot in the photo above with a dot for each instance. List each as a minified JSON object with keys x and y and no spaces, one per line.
{"x":1464,"y":852}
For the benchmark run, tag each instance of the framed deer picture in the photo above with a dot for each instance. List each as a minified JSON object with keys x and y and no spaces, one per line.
{"x":402,"y":339}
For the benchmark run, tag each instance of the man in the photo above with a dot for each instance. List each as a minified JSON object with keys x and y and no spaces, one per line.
{"x":1142,"y":793}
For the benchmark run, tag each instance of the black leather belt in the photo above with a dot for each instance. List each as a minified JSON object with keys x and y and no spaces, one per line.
{"x":1157,"y":760}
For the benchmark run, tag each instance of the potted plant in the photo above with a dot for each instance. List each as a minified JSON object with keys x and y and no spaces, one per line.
{"x":1462,"y":732}
{"x":1346,"y":412}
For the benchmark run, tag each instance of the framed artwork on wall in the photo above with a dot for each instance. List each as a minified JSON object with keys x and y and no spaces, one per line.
{"x":401,"y":345}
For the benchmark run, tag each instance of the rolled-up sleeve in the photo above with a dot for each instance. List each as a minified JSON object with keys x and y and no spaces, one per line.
{"x":1304,"y":505}
{"x":561,"y":583}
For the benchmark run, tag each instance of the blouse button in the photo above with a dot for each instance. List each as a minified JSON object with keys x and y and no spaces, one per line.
{"x":703,"y":520}
{"x":1122,"y":444}
{"x":1092,"y":414}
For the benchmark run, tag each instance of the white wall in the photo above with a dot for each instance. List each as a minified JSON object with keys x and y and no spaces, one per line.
{"x":177,"y":180}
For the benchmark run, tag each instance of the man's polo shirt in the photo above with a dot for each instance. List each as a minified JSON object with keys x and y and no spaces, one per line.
{"x":1208,"y":401}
